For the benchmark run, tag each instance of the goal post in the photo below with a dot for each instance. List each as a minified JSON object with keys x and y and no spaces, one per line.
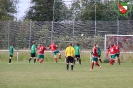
{"x":125,"y":43}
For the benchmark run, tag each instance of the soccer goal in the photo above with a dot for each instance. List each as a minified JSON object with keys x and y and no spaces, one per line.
{"x":125,"y":43}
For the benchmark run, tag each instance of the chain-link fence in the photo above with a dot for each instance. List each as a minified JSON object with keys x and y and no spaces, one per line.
{"x":62,"y":33}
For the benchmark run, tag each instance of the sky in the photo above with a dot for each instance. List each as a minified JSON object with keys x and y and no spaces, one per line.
{"x":24,"y":5}
{"x":22,"y":8}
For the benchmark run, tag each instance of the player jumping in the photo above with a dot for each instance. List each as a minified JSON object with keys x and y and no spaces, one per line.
{"x":53,"y":47}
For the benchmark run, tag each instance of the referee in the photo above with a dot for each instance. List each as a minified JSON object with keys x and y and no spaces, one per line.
{"x":69,"y":54}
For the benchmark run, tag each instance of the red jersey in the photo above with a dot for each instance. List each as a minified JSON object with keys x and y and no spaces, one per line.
{"x":53,"y":47}
{"x":111,"y":50}
{"x":117,"y":49}
{"x":38,"y":47}
{"x":41,"y":50}
{"x":95,"y":52}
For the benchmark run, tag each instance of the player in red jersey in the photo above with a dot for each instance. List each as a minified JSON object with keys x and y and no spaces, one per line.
{"x":111,"y":51}
{"x":37,"y":59}
{"x":41,"y":50}
{"x":94,"y":57}
{"x":117,"y":52}
{"x":53,"y":47}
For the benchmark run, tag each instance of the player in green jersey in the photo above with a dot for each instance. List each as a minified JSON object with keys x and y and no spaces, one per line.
{"x":33,"y":52}
{"x":11,"y":50}
{"x":77,"y":53}
{"x":99,"y":53}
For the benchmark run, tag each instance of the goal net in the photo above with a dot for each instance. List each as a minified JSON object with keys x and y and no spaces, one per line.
{"x":125,"y":43}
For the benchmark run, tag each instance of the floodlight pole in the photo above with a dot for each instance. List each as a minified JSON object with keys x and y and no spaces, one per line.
{"x":118,"y":20}
{"x":52,"y":23}
{"x":8,"y":34}
{"x":30,"y":34}
{"x":118,"y":28}
{"x":95,"y":24}
{"x":73,"y":23}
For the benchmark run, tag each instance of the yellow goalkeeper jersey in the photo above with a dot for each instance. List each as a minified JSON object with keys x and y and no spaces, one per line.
{"x":70,"y":51}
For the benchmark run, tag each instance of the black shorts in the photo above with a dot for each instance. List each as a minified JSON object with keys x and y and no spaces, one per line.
{"x":33,"y":55}
{"x":77,"y":56}
{"x":11,"y":55}
{"x":69,"y":59}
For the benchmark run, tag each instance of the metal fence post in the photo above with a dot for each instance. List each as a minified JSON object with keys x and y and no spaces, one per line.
{"x":8,"y":34}
{"x":30,"y":33}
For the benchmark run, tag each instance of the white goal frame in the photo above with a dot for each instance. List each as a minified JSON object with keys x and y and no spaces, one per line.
{"x":105,"y":44}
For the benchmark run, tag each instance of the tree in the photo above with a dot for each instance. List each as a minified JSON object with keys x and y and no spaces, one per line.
{"x":88,"y":12}
{"x":8,"y":9}
{"x":46,"y":10}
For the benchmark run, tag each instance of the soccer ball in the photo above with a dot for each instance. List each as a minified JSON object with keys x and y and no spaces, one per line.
{"x":82,"y":34}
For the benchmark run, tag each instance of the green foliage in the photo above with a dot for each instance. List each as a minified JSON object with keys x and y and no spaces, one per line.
{"x":48,"y":10}
{"x":43,"y":10}
{"x":8,"y":9}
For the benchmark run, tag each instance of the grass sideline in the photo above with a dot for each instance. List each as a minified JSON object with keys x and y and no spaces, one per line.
{"x":20,"y":74}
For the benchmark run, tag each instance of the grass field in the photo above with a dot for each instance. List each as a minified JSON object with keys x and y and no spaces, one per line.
{"x":20,"y":74}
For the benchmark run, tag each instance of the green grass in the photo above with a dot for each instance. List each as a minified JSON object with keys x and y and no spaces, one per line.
{"x":54,"y":75}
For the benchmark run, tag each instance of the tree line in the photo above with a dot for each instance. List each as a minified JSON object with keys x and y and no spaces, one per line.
{"x":57,"y":10}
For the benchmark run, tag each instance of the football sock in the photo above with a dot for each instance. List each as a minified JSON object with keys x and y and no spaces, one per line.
{"x":97,"y":64}
{"x":60,"y":56}
{"x":79,"y":61}
{"x":119,"y":61}
{"x":92,"y":65}
{"x":100,"y":60}
{"x":29,"y":60}
{"x":34,"y":60}
{"x":10,"y":60}
{"x":111,"y":62}
{"x":71,"y":67}
{"x":67,"y":66}
{"x":55,"y":60}
{"x":37,"y":59}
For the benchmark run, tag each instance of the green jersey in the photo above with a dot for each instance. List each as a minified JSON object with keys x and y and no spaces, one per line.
{"x":77,"y":50}
{"x":99,"y":50}
{"x":11,"y":50}
{"x":33,"y":48}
